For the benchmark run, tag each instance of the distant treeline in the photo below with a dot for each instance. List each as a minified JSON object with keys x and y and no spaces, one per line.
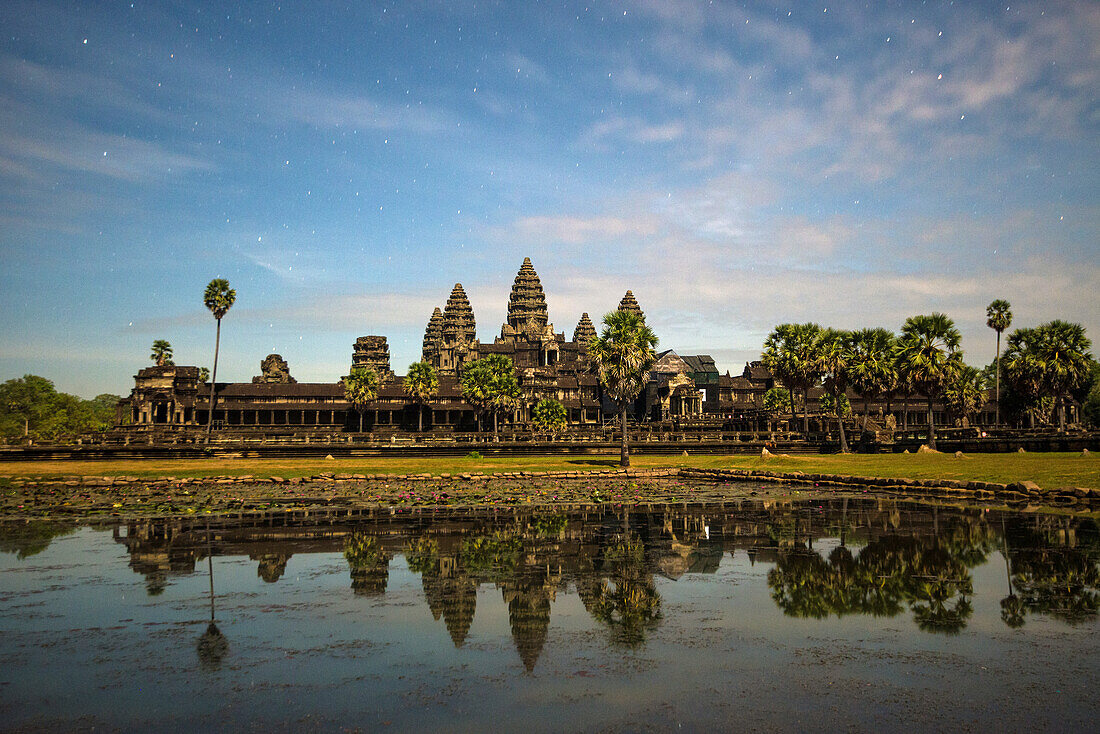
{"x":32,"y":408}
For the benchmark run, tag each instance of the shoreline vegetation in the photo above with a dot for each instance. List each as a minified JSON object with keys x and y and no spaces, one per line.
{"x":183,"y":487}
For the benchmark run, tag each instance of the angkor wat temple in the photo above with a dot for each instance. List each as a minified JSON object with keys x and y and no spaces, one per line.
{"x":681,"y":389}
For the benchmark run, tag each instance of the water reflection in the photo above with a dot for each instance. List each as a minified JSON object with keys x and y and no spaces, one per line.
{"x":927,"y":574}
{"x":823,"y":559}
{"x":212,"y":646}
{"x":28,"y":538}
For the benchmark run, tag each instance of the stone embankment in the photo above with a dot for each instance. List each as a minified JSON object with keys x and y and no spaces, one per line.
{"x":1022,"y":491}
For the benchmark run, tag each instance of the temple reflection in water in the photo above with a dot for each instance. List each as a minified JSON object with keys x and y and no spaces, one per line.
{"x":821,"y":559}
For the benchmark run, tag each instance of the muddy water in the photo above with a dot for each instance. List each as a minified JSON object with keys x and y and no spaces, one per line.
{"x":830,"y":614}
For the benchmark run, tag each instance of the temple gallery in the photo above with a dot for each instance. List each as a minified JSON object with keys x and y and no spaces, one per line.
{"x":680,"y":389}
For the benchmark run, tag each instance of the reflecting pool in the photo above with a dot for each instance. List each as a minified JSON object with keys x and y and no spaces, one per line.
{"x":828,"y":614}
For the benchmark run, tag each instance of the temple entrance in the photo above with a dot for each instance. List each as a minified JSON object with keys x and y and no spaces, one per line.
{"x":159,"y":413}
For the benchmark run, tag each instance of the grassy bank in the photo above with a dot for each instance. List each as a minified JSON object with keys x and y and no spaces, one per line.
{"x":1046,"y":469}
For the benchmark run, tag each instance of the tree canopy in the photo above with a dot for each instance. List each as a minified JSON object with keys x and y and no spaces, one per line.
{"x":790,"y":352}
{"x":421,"y":383}
{"x":360,"y":389}
{"x":548,"y":415}
{"x":161,"y":353}
{"x":490,"y":385}
{"x":31,"y":407}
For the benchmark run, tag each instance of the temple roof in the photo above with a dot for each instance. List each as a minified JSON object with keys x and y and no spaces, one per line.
{"x":585,"y":331}
{"x":527,"y":303}
{"x":458,"y":318}
{"x":630,"y":303}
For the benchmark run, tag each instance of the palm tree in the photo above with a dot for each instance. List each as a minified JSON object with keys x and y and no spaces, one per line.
{"x":219,"y":298}
{"x":929,"y":352}
{"x":833,"y":356}
{"x":490,"y":385}
{"x":963,"y":395}
{"x":1064,"y":362}
{"x":871,"y":365}
{"x":998,"y":317}
{"x":549,"y":415}
{"x":162,"y":353}
{"x":789,"y":355}
{"x":421,"y":384}
{"x":1024,"y":373}
{"x":360,"y":389}
{"x":623,"y":354}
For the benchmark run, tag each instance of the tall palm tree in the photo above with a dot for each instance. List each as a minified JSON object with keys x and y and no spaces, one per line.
{"x":623,"y":354}
{"x":929,"y":353}
{"x":161,"y":353}
{"x":219,"y":298}
{"x":1064,"y":362}
{"x":361,"y":389}
{"x":789,"y":355}
{"x":871,"y":365}
{"x":421,"y":384}
{"x":998,"y":316}
{"x":833,"y":357}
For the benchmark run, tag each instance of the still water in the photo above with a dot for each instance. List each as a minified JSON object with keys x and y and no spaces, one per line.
{"x":832,"y":614}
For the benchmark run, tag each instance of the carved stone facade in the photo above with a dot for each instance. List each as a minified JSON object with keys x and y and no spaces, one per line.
{"x":275,"y":371}
{"x":165,"y":395}
{"x":373,"y":352}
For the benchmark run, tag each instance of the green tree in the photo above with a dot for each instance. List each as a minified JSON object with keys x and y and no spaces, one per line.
{"x":421,"y":383}
{"x":871,"y":365}
{"x":776,"y":399}
{"x":219,"y":298}
{"x":1022,"y":374}
{"x":491,"y":386}
{"x":162,"y":353}
{"x":928,"y":352}
{"x":1064,"y":362}
{"x":1090,"y":408}
{"x":833,"y":353}
{"x":963,"y":395}
{"x":30,"y":407}
{"x":790,"y":354}
{"x":549,"y":415}
{"x":27,"y":403}
{"x":361,"y":389}
{"x":623,"y":355}
{"x":998,"y":316}
{"x":204,"y":374}
{"x":841,"y":408}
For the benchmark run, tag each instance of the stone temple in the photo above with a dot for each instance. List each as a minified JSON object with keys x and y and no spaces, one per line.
{"x":680,"y":388}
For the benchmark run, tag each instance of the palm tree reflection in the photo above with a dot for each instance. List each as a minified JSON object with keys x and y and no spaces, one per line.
{"x":212,"y":645}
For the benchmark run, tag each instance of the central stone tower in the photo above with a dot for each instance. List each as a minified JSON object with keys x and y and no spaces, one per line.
{"x":527,"y":313}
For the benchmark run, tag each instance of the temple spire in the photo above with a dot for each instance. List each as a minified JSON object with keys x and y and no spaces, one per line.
{"x":459,"y":326}
{"x":630,"y":303}
{"x":527,"y":304}
{"x":585,"y":331}
{"x":433,"y":336}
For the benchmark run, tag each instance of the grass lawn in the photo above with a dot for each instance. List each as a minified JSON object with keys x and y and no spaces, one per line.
{"x":1046,"y":469}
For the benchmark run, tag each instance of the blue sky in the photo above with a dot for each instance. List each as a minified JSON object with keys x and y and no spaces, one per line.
{"x":736,"y":165}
